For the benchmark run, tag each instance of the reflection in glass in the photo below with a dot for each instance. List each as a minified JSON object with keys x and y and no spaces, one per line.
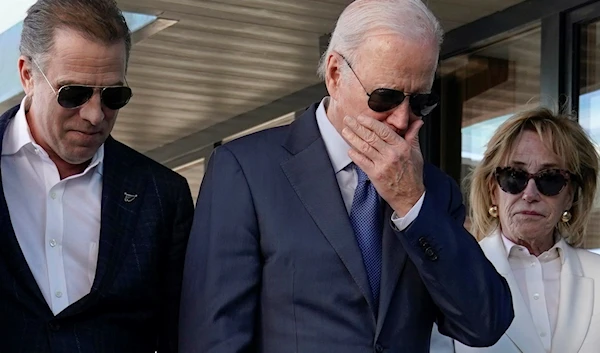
{"x":487,"y":86}
{"x":589,"y":107}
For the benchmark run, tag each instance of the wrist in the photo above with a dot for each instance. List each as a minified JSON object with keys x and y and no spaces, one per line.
{"x":405,"y":203}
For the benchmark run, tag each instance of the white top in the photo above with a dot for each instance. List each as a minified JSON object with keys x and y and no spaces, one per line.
{"x":346,"y":176}
{"x":56,"y":222}
{"x":538,"y":279}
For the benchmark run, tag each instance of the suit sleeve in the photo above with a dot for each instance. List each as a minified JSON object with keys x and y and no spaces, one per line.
{"x":172,"y":277}
{"x":223,"y":264}
{"x":473,"y":300}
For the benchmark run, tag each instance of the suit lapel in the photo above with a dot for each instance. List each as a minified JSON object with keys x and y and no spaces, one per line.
{"x":122,"y":196}
{"x":118,"y":219}
{"x":522,"y":330}
{"x":394,"y":258}
{"x":576,"y":304}
{"x":11,"y":250}
{"x":311,"y":174}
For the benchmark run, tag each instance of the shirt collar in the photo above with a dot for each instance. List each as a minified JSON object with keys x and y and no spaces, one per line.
{"x":18,"y":135}
{"x":336,"y":146}
{"x":556,"y":251}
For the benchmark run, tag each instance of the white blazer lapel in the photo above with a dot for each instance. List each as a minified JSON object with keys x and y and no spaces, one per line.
{"x":576,"y":304}
{"x":522,"y":330}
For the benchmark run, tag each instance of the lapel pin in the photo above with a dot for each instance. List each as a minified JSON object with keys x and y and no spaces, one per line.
{"x":130,"y":197}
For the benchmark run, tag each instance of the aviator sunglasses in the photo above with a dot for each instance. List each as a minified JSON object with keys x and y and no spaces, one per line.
{"x":74,"y":96}
{"x":549,"y":182}
{"x":384,"y":99}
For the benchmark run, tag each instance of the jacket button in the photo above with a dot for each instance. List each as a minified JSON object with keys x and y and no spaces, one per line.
{"x":422,"y":241}
{"x":431,"y":254}
{"x":378,"y":348}
{"x":54,"y":326}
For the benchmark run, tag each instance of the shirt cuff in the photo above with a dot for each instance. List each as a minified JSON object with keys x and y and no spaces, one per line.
{"x":403,"y":222}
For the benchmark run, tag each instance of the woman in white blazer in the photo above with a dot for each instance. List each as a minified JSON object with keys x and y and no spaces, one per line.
{"x":531,"y":198}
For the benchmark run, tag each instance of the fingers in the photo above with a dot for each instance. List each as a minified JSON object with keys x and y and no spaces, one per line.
{"x":383,"y":131}
{"x":362,"y":161}
{"x":368,"y":135}
{"x":412,"y":133}
{"x":363,"y":140}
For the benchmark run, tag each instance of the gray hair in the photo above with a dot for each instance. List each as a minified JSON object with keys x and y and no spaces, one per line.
{"x":97,"y":20}
{"x":410,"y":19}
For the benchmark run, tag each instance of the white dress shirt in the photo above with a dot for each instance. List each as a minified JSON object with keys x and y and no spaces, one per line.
{"x":56,"y":222}
{"x":538,"y":279}
{"x":346,"y":176}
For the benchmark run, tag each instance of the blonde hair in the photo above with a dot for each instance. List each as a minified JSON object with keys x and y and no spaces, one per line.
{"x":562,"y":135}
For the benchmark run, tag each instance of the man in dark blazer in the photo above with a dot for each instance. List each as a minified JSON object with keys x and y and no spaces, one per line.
{"x":93,"y":233}
{"x":330,"y":235}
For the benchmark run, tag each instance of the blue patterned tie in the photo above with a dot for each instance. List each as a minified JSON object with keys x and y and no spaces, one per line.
{"x":365,"y":217}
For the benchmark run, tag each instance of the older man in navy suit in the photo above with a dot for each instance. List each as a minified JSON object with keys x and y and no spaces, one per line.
{"x":93,"y":233}
{"x":331,"y":235}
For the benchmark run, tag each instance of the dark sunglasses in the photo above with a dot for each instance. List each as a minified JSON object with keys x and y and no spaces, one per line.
{"x":384,"y":99}
{"x":74,"y":96}
{"x":549,"y":182}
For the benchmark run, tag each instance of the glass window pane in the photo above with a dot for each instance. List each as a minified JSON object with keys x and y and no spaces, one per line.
{"x":589,"y":108}
{"x":490,"y":85}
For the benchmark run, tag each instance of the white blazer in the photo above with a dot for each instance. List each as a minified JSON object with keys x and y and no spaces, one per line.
{"x":578,"y":322}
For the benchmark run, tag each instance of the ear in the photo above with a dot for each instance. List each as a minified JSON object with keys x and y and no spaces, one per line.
{"x":26,"y":74}
{"x":333,"y":74}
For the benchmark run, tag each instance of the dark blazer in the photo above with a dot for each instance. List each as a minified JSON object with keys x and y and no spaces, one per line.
{"x":273,"y":265}
{"x":134,"y":301}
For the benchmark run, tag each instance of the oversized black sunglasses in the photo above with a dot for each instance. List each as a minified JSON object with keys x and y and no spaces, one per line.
{"x":74,"y":96}
{"x":384,"y":99}
{"x":549,"y":182}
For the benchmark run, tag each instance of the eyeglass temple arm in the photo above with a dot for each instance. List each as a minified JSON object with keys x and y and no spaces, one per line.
{"x":46,"y":78}
{"x":43,"y":74}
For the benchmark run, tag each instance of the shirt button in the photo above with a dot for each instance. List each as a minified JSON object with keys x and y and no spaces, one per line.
{"x":53,"y":195}
{"x":536,"y":296}
{"x":533,"y":264}
{"x":52,"y":242}
{"x":58,"y":294}
{"x":543,"y":334}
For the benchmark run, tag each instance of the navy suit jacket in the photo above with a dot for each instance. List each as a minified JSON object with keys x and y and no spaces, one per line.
{"x":273,"y":266}
{"x":134,"y":301}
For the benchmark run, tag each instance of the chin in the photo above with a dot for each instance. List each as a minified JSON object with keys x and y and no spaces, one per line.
{"x":533,"y":232}
{"x":77,"y":158}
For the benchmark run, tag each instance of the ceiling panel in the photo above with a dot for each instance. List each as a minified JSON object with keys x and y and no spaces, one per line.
{"x":224,"y":58}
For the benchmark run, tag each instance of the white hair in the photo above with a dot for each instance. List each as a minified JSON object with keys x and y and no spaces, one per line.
{"x":410,"y":19}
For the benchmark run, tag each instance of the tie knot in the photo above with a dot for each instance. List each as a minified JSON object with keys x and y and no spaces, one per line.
{"x":362,"y":176}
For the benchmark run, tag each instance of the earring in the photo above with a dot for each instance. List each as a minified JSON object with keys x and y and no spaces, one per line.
{"x":493,"y":211}
{"x":566,"y":216}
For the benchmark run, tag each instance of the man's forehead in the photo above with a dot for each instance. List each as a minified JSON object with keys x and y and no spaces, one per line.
{"x":395,"y":52}
{"x":397,"y":64}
